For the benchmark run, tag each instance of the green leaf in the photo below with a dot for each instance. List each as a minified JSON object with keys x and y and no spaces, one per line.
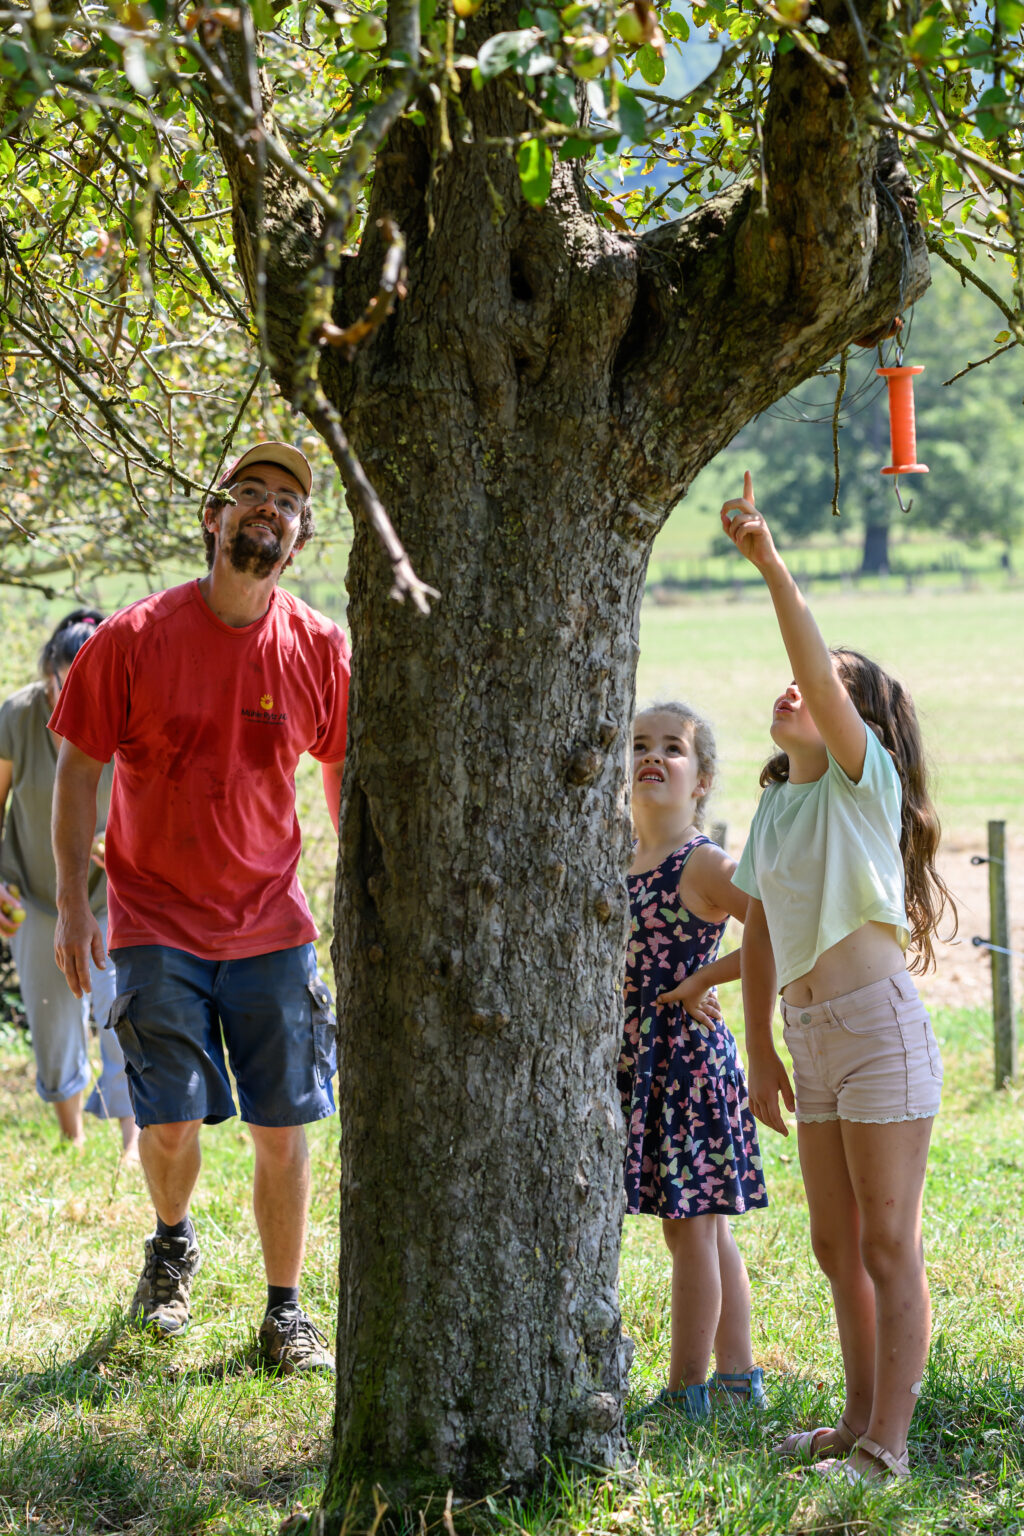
{"x":135,"y":67}
{"x":504,"y":50}
{"x":632,"y":119}
{"x":925,"y":41}
{"x":575,"y":149}
{"x":1002,"y":336}
{"x":262,"y":15}
{"x":991,"y":115}
{"x":548,"y":23}
{"x":651,"y":64}
{"x":676,"y":25}
{"x":1011,"y":15}
{"x":535,"y":163}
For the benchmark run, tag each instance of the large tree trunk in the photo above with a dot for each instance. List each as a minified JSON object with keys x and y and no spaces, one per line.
{"x":481,"y":908}
{"x":530,"y":414}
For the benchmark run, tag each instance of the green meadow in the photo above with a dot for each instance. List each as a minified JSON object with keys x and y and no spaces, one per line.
{"x":103,"y":1431}
{"x":956,"y":648}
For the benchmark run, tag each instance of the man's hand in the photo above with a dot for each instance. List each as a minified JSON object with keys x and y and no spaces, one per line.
{"x":78,"y":935}
{"x":767,"y":1079}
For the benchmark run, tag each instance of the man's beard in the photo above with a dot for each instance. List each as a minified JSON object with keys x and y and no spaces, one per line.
{"x":254,"y":557}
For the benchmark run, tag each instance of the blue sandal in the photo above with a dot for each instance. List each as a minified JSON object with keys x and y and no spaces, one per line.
{"x":691,"y":1402}
{"x":738,"y":1389}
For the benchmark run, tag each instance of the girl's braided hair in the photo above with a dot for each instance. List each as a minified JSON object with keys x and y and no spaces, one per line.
{"x":886,"y":708}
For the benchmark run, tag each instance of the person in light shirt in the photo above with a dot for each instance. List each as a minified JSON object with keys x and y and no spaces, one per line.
{"x":57,"y":1021}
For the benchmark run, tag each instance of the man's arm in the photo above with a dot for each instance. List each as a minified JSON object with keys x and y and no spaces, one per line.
{"x":332,"y":789}
{"x":73,"y":827}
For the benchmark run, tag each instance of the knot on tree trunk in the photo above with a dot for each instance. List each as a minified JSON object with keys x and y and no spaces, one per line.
{"x":583,"y":767}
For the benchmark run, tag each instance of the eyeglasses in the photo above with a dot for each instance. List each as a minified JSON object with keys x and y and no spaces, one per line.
{"x":253,"y":493}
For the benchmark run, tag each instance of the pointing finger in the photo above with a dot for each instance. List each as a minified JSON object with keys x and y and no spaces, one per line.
{"x":748,"y":487}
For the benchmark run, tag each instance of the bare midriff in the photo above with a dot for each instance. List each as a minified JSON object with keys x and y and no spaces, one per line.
{"x":870,"y":953}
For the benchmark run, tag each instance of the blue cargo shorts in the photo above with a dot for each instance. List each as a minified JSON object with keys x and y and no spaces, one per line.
{"x":176,"y":1016}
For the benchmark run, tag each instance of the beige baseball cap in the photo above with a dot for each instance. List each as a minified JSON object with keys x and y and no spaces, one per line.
{"x":282,"y":454}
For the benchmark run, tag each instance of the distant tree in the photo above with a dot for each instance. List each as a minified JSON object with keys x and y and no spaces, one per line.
{"x":533,"y":368}
{"x":970,"y":433}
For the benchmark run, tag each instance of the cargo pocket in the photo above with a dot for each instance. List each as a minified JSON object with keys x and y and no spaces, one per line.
{"x":325,"y":1032}
{"x":121,"y":1021}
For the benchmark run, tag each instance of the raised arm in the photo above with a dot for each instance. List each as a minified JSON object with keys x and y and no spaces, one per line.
{"x":78,"y":934}
{"x":842,"y":729}
{"x":766,"y":1075}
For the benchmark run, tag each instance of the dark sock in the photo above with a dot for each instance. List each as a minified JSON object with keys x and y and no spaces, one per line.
{"x":278,"y":1295}
{"x":181,"y":1228}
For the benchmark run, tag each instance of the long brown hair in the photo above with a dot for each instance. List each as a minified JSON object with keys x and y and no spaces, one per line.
{"x":886,"y":707}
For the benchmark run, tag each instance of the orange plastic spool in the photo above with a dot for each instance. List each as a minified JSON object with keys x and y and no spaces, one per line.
{"x":902,"y":429}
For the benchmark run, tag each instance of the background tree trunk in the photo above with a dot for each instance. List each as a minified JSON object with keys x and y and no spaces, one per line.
{"x":875,"y":558}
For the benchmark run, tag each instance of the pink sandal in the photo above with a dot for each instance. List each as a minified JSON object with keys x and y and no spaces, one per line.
{"x":886,"y":1467}
{"x":803,"y":1445}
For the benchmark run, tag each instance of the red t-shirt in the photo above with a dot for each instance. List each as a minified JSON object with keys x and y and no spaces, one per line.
{"x":206,"y":725}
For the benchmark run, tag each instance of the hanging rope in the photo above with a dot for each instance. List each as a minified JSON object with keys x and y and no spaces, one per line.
{"x":840,"y":391}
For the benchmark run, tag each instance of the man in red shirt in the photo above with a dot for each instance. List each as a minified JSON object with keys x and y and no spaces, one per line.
{"x":205,"y":696}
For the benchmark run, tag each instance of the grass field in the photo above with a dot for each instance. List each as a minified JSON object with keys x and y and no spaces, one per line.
{"x":953,"y":649}
{"x":102,"y":1432}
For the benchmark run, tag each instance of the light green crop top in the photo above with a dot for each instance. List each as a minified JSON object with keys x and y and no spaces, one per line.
{"x":824,"y":858}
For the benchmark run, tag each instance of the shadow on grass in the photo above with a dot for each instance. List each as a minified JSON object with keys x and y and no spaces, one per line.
{"x":81,"y":1480}
{"x":117,"y":1358}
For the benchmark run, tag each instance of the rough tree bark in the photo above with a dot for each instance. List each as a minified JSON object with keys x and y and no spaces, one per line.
{"x":530,"y":414}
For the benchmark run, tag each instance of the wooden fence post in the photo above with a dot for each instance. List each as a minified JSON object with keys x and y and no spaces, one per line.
{"x":1004,"y":1023}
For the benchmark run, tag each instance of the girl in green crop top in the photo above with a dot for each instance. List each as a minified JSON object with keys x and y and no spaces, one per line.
{"x":840,"y":871}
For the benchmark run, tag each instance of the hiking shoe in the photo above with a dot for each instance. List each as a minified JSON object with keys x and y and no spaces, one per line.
{"x":290,"y":1341}
{"x":161,"y":1296}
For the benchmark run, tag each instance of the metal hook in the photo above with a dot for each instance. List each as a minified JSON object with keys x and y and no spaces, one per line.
{"x":899,"y":498}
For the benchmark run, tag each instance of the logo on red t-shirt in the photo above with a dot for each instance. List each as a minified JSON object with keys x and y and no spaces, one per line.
{"x":266,"y":714}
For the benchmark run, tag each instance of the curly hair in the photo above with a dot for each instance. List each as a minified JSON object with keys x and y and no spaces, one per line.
{"x":886,"y":708}
{"x":67,"y":640}
{"x":701,"y":736}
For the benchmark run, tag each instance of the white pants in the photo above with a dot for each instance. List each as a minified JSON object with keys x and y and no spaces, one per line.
{"x":58,"y":1021}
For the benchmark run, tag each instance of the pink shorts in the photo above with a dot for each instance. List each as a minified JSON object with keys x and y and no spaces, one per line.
{"x":869,"y":1055}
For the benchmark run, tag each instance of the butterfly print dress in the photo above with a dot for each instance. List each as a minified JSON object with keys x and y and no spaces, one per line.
{"x":691,"y":1141}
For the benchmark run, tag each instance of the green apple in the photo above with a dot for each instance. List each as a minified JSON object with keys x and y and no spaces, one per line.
{"x":591,"y":56}
{"x":630,"y":27}
{"x":367,"y":33}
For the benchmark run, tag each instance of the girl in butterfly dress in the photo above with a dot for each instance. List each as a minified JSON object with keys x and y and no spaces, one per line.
{"x":692,"y":1157}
